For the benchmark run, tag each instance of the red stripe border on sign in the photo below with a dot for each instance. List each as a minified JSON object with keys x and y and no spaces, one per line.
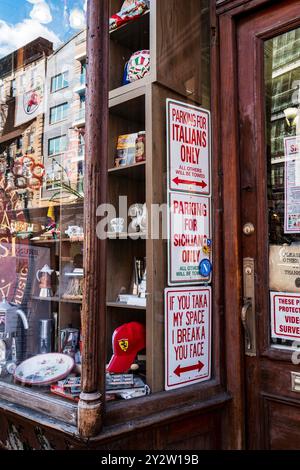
{"x":170,"y":290}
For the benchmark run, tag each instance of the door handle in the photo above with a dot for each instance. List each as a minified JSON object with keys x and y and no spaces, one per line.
{"x":246,"y":307}
{"x":248,"y":311}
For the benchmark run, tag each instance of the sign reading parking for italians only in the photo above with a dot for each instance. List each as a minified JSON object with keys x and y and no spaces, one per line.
{"x":189,"y":135}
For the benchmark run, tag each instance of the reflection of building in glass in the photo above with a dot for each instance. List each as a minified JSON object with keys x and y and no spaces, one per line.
{"x":65,"y":116}
{"x":283,"y":93}
{"x":22,"y":95}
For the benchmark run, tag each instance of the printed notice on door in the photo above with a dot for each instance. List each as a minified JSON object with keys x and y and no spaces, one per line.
{"x":292,"y":185}
{"x":285,"y":315}
{"x":187,"y":336}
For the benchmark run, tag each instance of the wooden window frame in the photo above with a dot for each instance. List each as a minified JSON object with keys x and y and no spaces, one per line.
{"x":93,"y":412}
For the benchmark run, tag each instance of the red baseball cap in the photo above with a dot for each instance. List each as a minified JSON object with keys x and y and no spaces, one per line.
{"x":127,"y":341}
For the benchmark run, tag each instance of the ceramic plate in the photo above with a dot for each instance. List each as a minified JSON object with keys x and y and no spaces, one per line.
{"x":44,"y":369}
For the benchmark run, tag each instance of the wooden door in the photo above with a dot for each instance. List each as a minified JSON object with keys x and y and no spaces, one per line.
{"x":268,"y":80}
{"x":260,"y":122}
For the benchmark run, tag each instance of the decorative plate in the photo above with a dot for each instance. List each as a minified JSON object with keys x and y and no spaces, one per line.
{"x":44,"y":369}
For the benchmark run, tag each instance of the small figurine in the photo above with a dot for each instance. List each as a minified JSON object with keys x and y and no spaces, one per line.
{"x":44,"y":278}
{"x":139,"y":216}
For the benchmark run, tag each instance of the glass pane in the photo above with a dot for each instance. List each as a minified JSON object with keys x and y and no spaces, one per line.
{"x":136,"y":270}
{"x":41,"y":195}
{"x":282,"y":76}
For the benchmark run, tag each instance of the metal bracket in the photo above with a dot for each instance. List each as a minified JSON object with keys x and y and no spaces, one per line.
{"x":295,"y":376}
{"x":248,"y":310}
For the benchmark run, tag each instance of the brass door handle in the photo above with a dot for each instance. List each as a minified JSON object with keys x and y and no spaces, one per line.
{"x":248,"y":316}
{"x":246,"y":307}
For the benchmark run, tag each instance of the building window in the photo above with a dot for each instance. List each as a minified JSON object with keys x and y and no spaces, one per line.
{"x":83,"y":73}
{"x":31,"y":139}
{"x":81,"y":146}
{"x":58,"y":113}
{"x":19,"y":143}
{"x":57,"y":145}
{"x":22,"y":82}
{"x":59,"y":82}
{"x":13,"y":88}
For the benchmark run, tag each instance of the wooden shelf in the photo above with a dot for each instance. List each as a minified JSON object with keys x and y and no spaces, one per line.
{"x":57,"y":299}
{"x":127,"y":236}
{"x":71,"y":301}
{"x":135,"y":171}
{"x":125,"y":306}
{"x":56,"y":240}
{"x":130,"y":87}
{"x":135,"y":34}
{"x":46,"y":299}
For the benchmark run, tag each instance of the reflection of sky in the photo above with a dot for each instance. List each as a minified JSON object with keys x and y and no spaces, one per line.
{"x":21,"y":21}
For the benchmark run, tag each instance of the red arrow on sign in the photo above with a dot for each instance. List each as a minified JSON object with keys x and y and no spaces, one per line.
{"x":180,"y":370}
{"x":178,"y":181}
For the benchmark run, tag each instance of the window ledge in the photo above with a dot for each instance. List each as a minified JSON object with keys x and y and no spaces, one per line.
{"x":121,"y":417}
{"x":58,"y":122}
{"x":119,"y":412}
{"x":208,"y":404}
{"x":38,"y":418}
{"x":41,"y":403}
{"x":59,"y":89}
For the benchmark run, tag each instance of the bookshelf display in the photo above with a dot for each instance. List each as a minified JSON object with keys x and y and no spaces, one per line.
{"x":175,"y":71}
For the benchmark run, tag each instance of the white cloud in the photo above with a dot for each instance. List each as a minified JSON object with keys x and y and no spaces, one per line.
{"x":41,"y":11}
{"x":85,"y":5}
{"x":77,"y":19}
{"x":13,"y":37}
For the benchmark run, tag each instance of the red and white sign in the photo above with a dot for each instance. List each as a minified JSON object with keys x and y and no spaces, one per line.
{"x":189,"y":238}
{"x":187,"y":336}
{"x":189,"y":134}
{"x":285,"y":315}
{"x":292,"y":184}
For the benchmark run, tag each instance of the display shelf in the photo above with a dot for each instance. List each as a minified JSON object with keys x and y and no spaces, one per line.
{"x":133,"y":34}
{"x":56,"y":240}
{"x":46,"y":242}
{"x":120,"y":89}
{"x":57,"y":299}
{"x":45,"y":299}
{"x":127,"y":236}
{"x":126,"y":118}
{"x":125,"y":306}
{"x":174,"y":46}
{"x":117,"y":101}
{"x":71,"y":301}
{"x":135,"y":171}
{"x":176,"y":67}
{"x":124,"y":41}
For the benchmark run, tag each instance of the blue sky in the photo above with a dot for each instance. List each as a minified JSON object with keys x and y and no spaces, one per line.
{"x":21,"y":21}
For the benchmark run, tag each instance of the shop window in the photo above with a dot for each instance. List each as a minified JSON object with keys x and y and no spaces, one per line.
{"x":282,"y":75}
{"x":42,"y":209}
{"x":41,"y":230}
